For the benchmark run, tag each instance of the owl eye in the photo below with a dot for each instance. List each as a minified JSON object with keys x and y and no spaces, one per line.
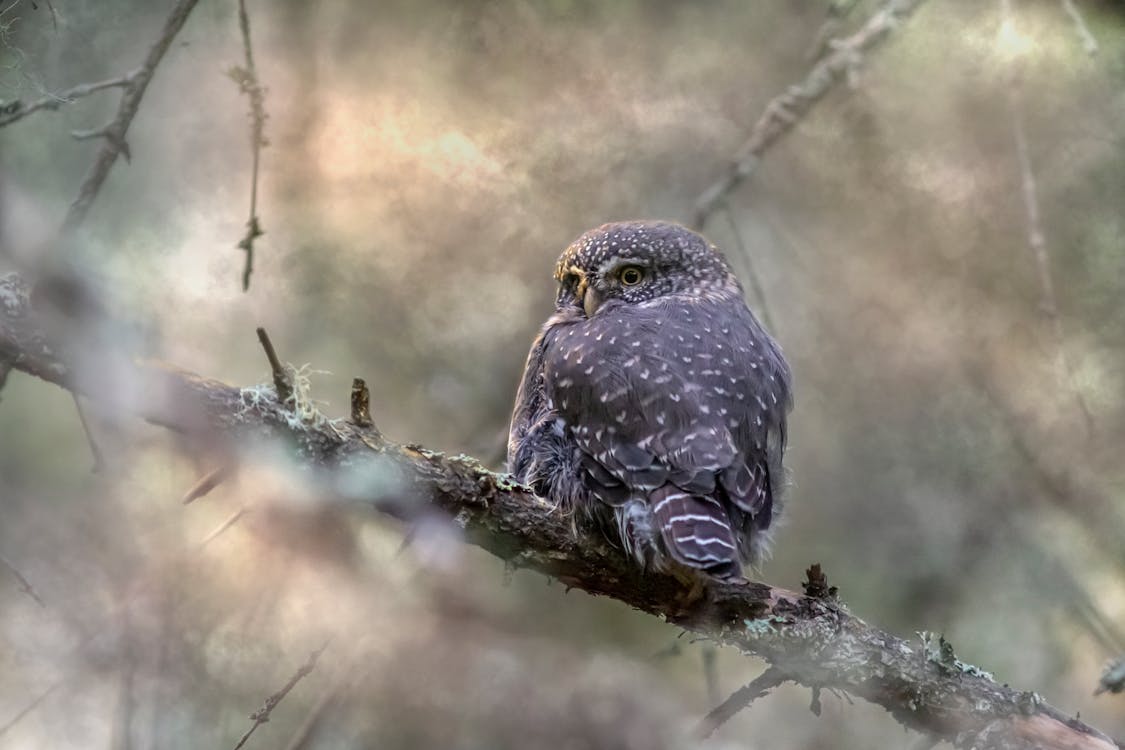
{"x":630,"y":275}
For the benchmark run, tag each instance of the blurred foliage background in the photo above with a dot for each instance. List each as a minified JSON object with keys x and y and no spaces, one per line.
{"x":427,"y":162}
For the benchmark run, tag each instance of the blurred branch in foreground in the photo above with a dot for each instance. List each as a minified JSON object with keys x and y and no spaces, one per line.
{"x":810,"y":638}
{"x":785,"y":110}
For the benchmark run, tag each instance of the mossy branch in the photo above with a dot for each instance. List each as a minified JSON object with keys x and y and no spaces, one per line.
{"x":810,"y":638}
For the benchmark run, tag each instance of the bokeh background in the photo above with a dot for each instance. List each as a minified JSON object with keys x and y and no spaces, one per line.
{"x":427,"y":162}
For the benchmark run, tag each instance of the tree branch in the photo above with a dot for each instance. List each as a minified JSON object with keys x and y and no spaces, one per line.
{"x":1036,"y":238}
{"x":17,"y":110}
{"x":812,"y":639}
{"x":130,"y":101}
{"x":786,"y":110}
{"x":738,"y":700}
{"x":1089,"y":43}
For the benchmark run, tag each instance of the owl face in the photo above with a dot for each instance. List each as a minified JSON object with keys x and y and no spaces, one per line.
{"x":635,"y":262}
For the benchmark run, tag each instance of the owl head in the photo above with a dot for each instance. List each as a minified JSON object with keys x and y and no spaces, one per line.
{"x":634,"y":262}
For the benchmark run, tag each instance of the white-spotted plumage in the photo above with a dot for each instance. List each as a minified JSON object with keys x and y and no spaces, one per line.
{"x":676,"y":435}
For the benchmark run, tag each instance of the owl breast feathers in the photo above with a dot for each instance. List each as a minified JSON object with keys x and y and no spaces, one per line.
{"x":653,"y":400}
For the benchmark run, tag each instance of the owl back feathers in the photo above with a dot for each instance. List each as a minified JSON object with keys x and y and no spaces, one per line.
{"x":667,"y":416}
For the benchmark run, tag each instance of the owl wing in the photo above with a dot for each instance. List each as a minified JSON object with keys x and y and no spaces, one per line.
{"x":665,"y":402}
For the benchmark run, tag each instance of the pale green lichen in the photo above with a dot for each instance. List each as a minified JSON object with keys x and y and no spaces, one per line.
{"x":940,"y":651}
{"x":300,"y":410}
{"x":763,"y":627}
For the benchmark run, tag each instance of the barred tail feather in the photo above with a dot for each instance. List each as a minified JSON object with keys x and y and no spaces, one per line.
{"x":696,"y":531}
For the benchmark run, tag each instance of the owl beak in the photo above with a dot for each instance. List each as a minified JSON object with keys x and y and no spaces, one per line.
{"x":591,"y":301}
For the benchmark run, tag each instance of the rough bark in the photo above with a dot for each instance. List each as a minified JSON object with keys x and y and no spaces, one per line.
{"x":812,"y":639}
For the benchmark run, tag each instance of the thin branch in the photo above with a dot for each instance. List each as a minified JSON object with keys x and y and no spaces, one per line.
{"x":28,"y":708}
{"x":247,"y":79}
{"x":208,"y":482}
{"x":785,"y":110}
{"x":739,"y":699}
{"x":751,"y":270}
{"x":95,"y":451}
{"x":280,"y":375}
{"x":262,"y":715}
{"x":1037,"y":241}
{"x":813,"y":640}
{"x":25,"y":587}
{"x":126,"y":111}
{"x":17,"y":110}
{"x":308,"y":729}
{"x":1089,"y":43}
{"x":231,"y":520}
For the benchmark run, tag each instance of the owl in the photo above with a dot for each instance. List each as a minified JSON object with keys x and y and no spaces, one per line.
{"x":654,"y":402}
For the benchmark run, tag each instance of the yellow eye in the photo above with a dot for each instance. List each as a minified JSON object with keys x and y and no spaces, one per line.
{"x":630,"y":275}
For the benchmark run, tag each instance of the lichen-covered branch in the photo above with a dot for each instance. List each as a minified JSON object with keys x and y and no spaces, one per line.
{"x":810,"y":638}
{"x":785,"y":110}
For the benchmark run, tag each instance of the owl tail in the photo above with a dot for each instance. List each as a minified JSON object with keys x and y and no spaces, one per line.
{"x":696,"y":531}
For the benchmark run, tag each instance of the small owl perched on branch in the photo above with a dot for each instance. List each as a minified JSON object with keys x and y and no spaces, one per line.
{"x":654,"y":399}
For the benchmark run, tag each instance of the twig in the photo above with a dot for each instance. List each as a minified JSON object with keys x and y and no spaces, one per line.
{"x":739,"y":700}
{"x":95,"y":451}
{"x":126,"y":110}
{"x":280,"y":375}
{"x":28,"y":708}
{"x":1089,"y":43}
{"x":1037,"y":242}
{"x":262,"y":715}
{"x":208,"y":482}
{"x":15,"y":111}
{"x":247,"y":80}
{"x":361,"y":404}
{"x":751,"y":269}
{"x":312,"y":721}
{"x":25,"y":587}
{"x":231,"y":521}
{"x":787,"y":109}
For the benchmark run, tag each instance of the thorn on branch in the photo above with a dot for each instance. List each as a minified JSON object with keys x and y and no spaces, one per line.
{"x":361,"y":405}
{"x":280,"y":375}
{"x":740,"y":699}
{"x":262,"y":715}
{"x":817,"y":586}
{"x":208,"y":482}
